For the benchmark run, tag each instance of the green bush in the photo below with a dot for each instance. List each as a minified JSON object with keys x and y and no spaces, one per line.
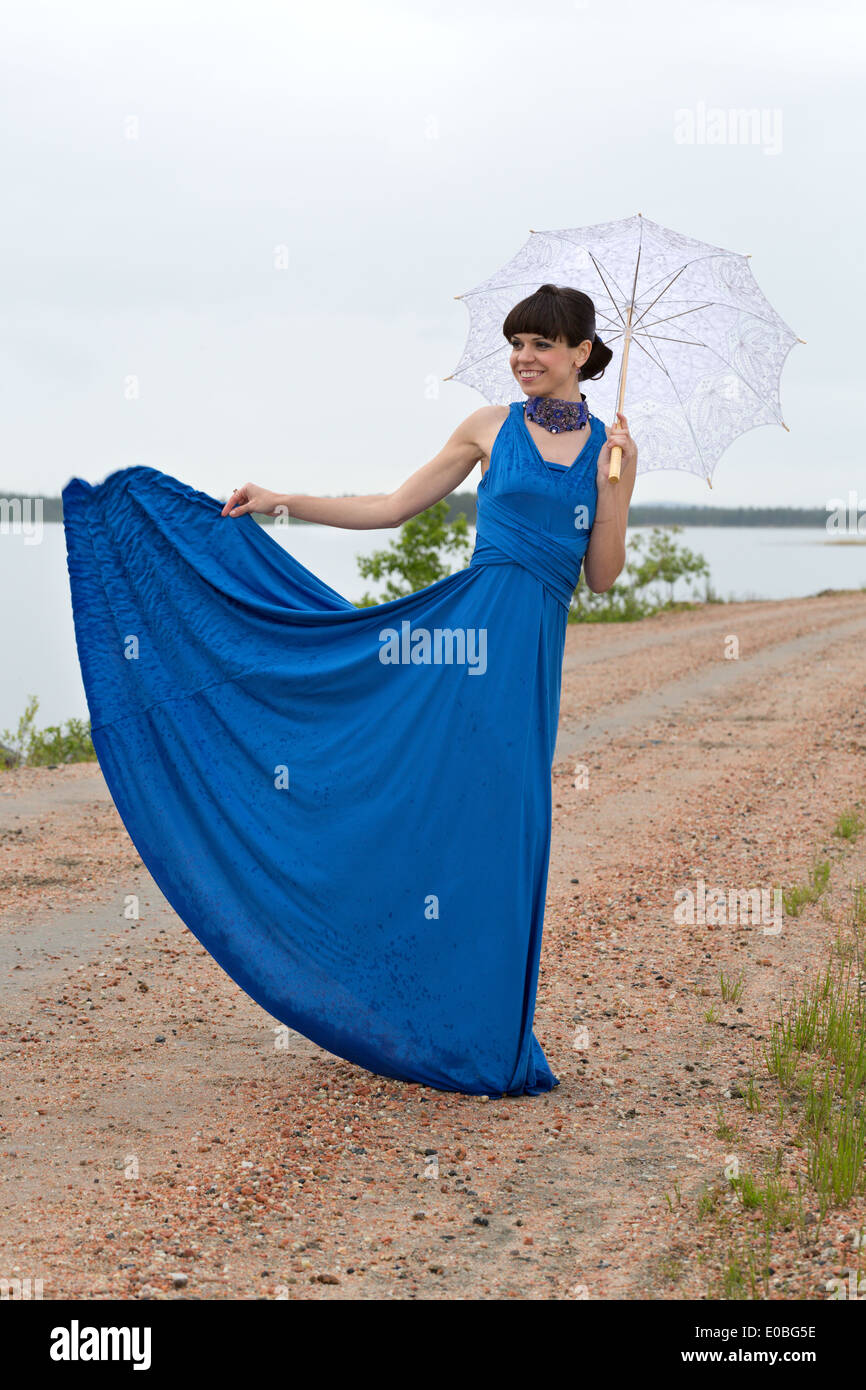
{"x":418,"y":556}
{"x":653,"y":565}
{"x":67,"y":743}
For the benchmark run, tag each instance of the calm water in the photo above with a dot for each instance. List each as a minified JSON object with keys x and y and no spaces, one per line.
{"x":39,"y":654}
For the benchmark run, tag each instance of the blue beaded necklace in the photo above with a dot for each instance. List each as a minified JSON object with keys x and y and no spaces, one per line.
{"x":556,"y":415}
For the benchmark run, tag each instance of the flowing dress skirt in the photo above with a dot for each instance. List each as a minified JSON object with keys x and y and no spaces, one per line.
{"x":350,"y":808}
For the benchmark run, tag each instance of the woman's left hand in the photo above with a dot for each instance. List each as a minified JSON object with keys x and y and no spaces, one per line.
{"x":617,"y":434}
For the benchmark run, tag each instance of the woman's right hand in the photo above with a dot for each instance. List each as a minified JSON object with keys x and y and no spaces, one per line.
{"x":252,"y":498}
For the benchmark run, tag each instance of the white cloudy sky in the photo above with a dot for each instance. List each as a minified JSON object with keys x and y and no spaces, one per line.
{"x":401,"y":151}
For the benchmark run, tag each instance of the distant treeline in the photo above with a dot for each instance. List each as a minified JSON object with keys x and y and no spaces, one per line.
{"x":648,"y":514}
{"x":640,"y":514}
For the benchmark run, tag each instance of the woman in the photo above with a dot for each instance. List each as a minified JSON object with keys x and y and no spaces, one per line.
{"x":351,"y":808}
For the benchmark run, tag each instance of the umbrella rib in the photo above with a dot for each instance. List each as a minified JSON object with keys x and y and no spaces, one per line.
{"x":581,"y":247}
{"x":731,"y":368}
{"x":687,"y":342}
{"x":476,"y":361}
{"x":698,"y":342}
{"x":658,"y":337}
{"x":683,"y":409}
{"x":636,"y":337}
{"x":712,"y":255}
{"x":647,"y":327}
{"x":657,"y":360}
{"x":719,"y":304}
{"x":715,"y":255}
{"x":716,"y":303}
{"x":661,"y":293}
{"x":659,"y":296}
{"x":609,"y":294}
{"x":695,"y":309}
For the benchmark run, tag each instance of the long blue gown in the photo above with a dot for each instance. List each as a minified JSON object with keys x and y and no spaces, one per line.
{"x":350,"y":808}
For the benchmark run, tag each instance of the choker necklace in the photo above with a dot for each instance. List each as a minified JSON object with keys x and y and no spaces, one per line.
{"x":556,"y":415}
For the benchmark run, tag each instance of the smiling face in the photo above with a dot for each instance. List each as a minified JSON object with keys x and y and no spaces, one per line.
{"x":548,"y":366}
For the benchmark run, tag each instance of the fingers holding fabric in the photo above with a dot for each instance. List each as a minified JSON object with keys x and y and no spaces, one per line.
{"x":244,"y":499}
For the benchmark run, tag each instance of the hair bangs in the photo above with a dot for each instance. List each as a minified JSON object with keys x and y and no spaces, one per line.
{"x":540,"y":315}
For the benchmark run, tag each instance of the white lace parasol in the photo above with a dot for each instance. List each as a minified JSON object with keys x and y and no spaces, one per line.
{"x":706,"y":347}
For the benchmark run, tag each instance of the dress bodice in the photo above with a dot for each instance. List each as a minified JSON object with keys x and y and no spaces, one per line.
{"x":535,"y":513}
{"x":545,"y":493}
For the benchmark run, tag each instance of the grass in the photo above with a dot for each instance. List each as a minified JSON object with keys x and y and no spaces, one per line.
{"x":848,"y":826}
{"x":836,"y":1157}
{"x":732,"y":990}
{"x":747,"y":1190}
{"x":671,"y":1268}
{"x":708,"y":1201}
{"x":825,"y":1019}
{"x":739,"y":1276}
{"x":779,"y":1204}
{"x":814,"y":1054}
{"x":772,"y":1204}
{"x":753,"y":1097}
{"x":677,"y":1193}
{"x":795,"y":899}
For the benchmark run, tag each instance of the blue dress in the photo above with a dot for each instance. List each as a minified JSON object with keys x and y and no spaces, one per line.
{"x":350,"y":808}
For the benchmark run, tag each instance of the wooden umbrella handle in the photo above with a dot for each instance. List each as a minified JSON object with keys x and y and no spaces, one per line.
{"x":616,"y":451}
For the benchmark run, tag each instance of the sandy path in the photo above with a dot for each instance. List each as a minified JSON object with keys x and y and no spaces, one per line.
{"x":153,"y":1124}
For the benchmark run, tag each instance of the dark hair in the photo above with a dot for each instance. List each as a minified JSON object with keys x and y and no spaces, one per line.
{"x":556,"y":311}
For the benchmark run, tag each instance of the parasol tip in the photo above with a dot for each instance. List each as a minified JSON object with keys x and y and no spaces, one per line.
{"x":784,"y":426}
{"x":802,"y":340}
{"x":448,"y":378}
{"x":709,"y":483}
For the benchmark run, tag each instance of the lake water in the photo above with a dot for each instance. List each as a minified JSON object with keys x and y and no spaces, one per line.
{"x":39,"y":656}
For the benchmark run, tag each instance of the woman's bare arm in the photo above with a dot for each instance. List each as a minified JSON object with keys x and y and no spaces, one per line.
{"x":429,"y":484}
{"x":605,"y":554}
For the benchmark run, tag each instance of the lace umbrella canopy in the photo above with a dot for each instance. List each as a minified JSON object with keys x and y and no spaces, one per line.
{"x":701,"y":347}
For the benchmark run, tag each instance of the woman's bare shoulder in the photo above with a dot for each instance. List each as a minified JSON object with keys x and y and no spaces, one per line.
{"x":484,"y":424}
{"x":493,"y":414}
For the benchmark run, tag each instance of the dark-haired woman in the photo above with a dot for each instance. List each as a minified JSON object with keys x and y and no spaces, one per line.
{"x":351,"y":808}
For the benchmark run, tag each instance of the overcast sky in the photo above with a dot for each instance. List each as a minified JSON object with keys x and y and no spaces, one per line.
{"x":155,"y":155}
